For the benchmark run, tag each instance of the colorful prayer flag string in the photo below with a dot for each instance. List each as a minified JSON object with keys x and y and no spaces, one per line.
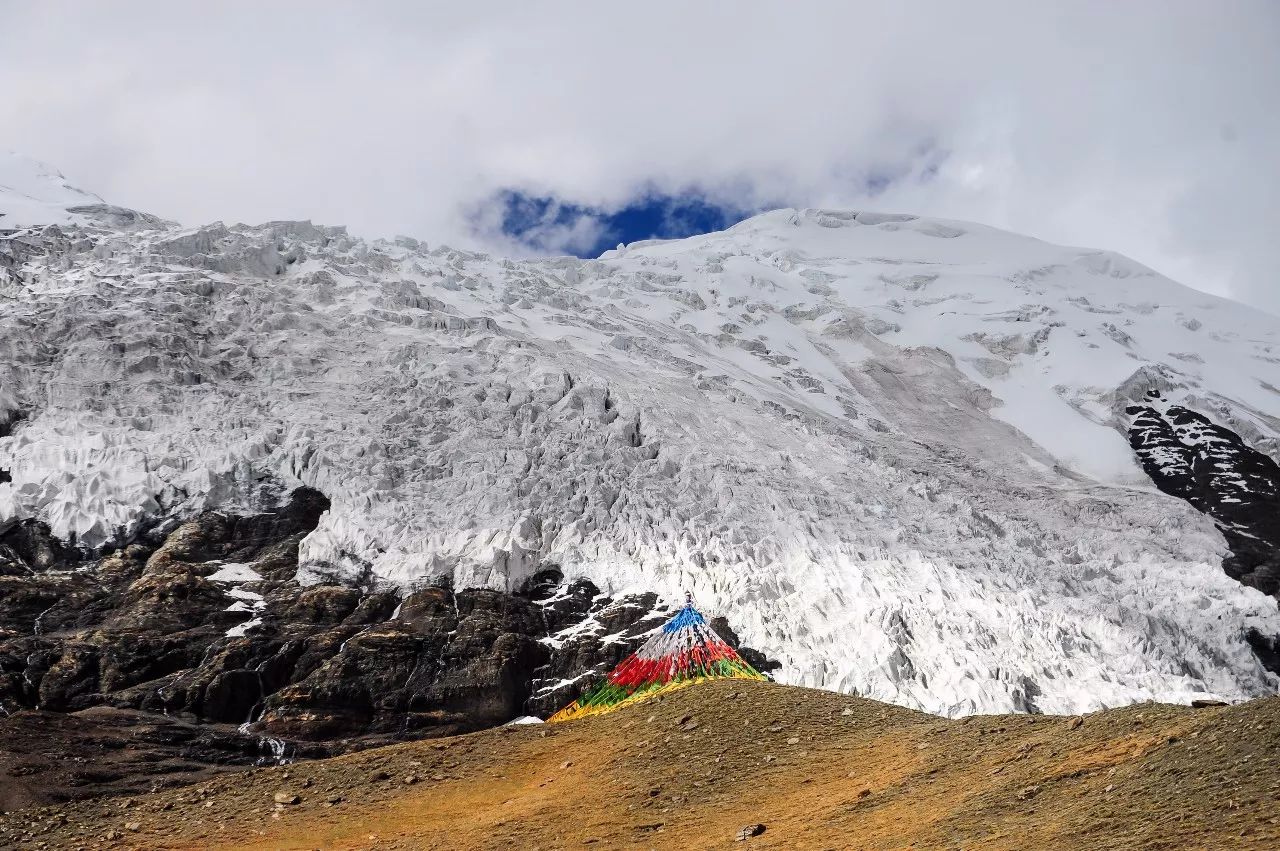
{"x":685,"y":652}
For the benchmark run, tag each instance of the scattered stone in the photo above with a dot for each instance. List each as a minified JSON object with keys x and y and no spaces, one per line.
{"x":749,"y":831}
{"x":133,"y":826}
{"x":1075,"y":723}
{"x":410,"y":779}
{"x":379,"y":775}
{"x":848,"y":710}
{"x":1028,"y":793}
{"x":287,"y":798}
{"x":567,"y":763}
{"x":333,"y":799}
{"x":794,"y":740}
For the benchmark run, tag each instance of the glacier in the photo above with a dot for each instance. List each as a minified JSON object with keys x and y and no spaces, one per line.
{"x":890,"y":449}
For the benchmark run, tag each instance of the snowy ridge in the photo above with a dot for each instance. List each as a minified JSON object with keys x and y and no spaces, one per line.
{"x":33,"y":193}
{"x":890,"y":450}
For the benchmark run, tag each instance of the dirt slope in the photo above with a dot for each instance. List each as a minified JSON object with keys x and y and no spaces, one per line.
{"x":818,"y":770}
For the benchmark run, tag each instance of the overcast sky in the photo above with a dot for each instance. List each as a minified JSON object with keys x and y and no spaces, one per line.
{"x":1150,"y":128}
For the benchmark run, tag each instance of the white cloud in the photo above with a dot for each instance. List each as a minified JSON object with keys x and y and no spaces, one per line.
{"x":1144,"y":127}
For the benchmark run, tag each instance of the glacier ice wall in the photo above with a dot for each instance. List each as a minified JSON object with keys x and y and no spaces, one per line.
{"x":889,"y":449}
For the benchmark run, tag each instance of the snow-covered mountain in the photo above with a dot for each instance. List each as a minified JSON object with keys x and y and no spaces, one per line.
{"x":894,"y":452}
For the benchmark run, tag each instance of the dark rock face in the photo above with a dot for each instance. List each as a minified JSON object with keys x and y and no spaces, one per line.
{"x":449,"y":663}
{"x":750,"y":655}
{"x":200,"y":643}
{"x":1188,"y":456}
{"x":1211,"y":467}
{"x":9,"y":420}
{"x":28,"y":548}
{"x":1267,"y":649}
{"x":586,"y":636}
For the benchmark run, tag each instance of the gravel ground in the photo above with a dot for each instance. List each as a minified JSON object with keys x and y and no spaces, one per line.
{"x":708,"y":764}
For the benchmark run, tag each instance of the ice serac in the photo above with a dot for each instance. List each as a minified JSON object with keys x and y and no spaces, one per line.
{"x":893,"y":451}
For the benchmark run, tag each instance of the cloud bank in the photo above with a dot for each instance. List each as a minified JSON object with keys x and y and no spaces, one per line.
{"x":1145,"y":127}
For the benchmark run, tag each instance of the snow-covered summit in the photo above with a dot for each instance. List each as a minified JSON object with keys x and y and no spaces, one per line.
{"x":34,"y":194}
{"x":892,"y":450}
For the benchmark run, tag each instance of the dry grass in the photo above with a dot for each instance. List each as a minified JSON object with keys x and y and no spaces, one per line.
{"x":858,"y":775}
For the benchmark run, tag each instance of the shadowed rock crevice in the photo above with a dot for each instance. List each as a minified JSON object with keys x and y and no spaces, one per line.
{"x":1266,"y":648}
{"x":28,"y":548}
{"x":9,"y":421}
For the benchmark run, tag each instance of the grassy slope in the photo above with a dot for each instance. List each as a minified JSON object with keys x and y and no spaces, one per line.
{"x":820,"y":770}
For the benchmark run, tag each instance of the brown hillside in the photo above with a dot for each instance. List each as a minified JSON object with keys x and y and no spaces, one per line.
{"x":818,"y":770}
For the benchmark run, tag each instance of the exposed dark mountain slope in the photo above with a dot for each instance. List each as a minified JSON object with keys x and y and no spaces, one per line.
{"x":147,"y":647}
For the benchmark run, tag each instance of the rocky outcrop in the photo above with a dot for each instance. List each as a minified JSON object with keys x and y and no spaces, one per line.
{"x":1214,"y":469}
{"x":448,"y":663}
{"x":1211,"y":467}
{"x":201,"y":645}
{"x":29,"y":548}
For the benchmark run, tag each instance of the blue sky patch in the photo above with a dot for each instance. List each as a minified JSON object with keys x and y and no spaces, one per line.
{"x":546,"y":224}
